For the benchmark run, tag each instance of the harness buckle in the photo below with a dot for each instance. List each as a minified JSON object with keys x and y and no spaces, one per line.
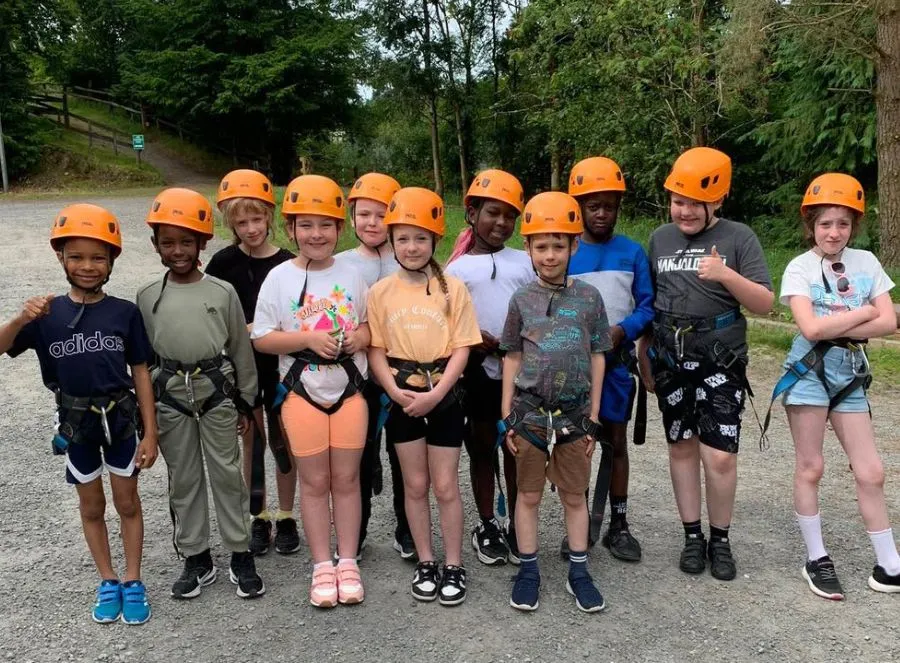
{"x":724,"y":356}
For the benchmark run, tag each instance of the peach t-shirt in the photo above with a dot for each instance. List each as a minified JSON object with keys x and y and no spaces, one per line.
{"x":411,"y":324}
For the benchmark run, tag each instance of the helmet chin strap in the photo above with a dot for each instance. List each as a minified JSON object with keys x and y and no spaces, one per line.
{"x":554,"y":286}
{"x":86,"y":292}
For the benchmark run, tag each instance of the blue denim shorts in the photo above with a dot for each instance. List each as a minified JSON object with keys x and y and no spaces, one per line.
{"x":839,"y":373}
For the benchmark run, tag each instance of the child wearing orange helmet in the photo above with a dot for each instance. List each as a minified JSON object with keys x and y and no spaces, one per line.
{"x":705,"y":269}
{"x":246,"y":199}
{"x":368,"y":201}
{"x":555,"y":337}
{"x":839,"y":297}
{"x":204,"y":378}
{"x":618,"y":267}
{"x":86,"y":341}
{"x":492,"y":272}
{"x":423,"y":324}
{"x":312,"y":314}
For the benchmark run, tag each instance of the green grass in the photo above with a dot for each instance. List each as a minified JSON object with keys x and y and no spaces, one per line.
{"x":192,"y":155}
{"x":70,"y":165}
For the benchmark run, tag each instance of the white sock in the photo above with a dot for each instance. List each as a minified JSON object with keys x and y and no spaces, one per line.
{"x":320,"y":564}
{"x":886,"y":551}
{"x":811,"y":529}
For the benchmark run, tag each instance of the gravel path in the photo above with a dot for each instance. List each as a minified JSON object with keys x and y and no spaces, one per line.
{"x":656,"y":613}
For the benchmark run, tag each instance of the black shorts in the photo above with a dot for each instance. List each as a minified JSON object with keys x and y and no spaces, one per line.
{"x":483,"y":395}
{"x":267,"y":380}
{"x":442,"y":428}
{"x":701,"y":398}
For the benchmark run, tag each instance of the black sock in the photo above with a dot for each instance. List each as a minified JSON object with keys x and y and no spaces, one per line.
{"x":692,"y":529}
{"x":618,"y":509}
{"x":718,"y":532}
{"x":487,"y":519}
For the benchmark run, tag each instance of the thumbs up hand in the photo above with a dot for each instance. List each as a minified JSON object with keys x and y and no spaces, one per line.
{"x":712,"y":267}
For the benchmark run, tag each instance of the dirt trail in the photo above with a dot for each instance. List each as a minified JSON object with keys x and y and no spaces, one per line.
{"x":656,"y":613}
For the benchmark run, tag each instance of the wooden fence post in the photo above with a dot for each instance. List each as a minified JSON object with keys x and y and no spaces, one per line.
{"x":65,"y":106}
{"x":90,"y":136}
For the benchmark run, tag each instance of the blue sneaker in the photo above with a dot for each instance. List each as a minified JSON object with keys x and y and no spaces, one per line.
{"x":526,"y":589}
{"x":135,"y":607}
{"x":109,"y":602}
{"x":587,"y":597}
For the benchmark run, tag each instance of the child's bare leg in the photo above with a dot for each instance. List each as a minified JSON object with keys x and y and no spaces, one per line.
{"x":720,"y":468}
{"x":443,"y":467}
{"x":854,"y":430}
{"x":315,"y":486}
{"x":285,"y":484}
{"x":346,"y":500}
{"x":527,"y":510}
{"x":576,"y":514}
{"x":92,"y":505}
{"x":413,"y":458}
{"x":684,"y":468}
{"x":128,"y":506}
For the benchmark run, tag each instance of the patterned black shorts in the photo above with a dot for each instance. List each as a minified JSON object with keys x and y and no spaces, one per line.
{"x":701,"y":398}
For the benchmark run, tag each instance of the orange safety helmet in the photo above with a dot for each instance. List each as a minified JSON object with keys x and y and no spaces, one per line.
{"x":245,"y":183}
{"x":497,"y":185}
{"x":552,"y":212}
{"x":835,"y":189}
{"x":418,"y":207}
{"x":701,"y":173}
{"x":182,"y":208}
{"x":313,"y":194}
{"x":374,"y":186}
{"x":84,"y":220}
{"x":595,"y":174}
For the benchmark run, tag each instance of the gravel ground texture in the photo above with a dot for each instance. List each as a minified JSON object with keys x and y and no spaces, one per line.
{"x":655,"y":613}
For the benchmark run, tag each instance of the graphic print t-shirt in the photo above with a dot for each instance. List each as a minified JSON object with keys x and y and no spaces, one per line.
{"x":335,"y":301}
{"x":674,"y":261}
{"x":411,"y":324}
{"x":556,"y":349}
{"x":93,"y":358}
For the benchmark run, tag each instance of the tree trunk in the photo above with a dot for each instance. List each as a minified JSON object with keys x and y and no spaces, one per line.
{"x":555,"y":167}
{"x":461,"y":142}
{"x":432,"y":100}
{"x":887,"y":109}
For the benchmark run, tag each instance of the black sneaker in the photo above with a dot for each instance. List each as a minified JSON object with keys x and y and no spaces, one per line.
{"x":489,"y":545}
{"x":880,"y":581}
{"x":425,"y":582}
{"x":822,"y":579}
{"x":453,"y":585}
{"x":404,"y":544}
{"x":721,"y":561}
{"x":510,"y":536}
{"x":287,"y":538}
{"x":198,"y":572}
{"x":260,"y":536}
{"x":243,"y":574}
{"x":693,"y":557}
{"x":622,"y":545}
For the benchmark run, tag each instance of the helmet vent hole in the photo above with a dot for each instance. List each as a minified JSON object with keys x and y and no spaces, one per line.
{"x":113,"y":229}
{"x":294,"y":196}
{"x":156,"y":206}
{"x":61,"y":222}
{"x":571,"y":216}
{"x":704,"y":183}
{"x":202,"y":215}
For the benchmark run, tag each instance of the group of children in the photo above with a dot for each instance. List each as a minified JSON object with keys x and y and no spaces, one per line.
{"x":321,"y":354}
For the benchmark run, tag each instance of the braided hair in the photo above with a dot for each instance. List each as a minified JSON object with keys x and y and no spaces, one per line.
{"x":442,"y":281}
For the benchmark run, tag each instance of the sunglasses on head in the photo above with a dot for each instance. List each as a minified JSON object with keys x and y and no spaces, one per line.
{"x":844,"y":287}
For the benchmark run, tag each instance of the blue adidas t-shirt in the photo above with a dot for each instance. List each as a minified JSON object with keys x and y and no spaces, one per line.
{"x":93,"y":358}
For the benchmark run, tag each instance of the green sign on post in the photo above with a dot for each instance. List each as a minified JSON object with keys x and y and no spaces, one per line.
{"x":137,"y":142}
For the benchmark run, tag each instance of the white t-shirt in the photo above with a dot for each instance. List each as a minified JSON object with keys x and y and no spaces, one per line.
{"x":491,"y":296}
{"x":803,"y":276}
{"x":335,"y":300}
{"x":372,"y":269}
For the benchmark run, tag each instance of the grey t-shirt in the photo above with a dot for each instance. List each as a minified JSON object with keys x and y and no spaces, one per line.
{"x":674,"y":258}
{"x":371,"y":269}
{"x":556,"y":350}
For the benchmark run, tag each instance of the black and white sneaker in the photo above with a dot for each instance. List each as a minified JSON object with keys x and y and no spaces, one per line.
{"x":287,"y":538}
{"x":822,"y":579}
{"x":404,"y":544}
{"x":425,"y":582}
{"x":242,"y":573}
{"x":880,"y":581}
{"x":453,"y":585}
{"x":510,"y":536}
{"x":489,"y":544}
{"x":260,"y":536}
{"x":198,"y":572}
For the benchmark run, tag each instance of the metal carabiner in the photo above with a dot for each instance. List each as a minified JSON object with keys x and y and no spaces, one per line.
{"x":859,"y":362}
{"x":679,"y":342}
{"x":189,"y":389}
{"x":105,"y":423}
